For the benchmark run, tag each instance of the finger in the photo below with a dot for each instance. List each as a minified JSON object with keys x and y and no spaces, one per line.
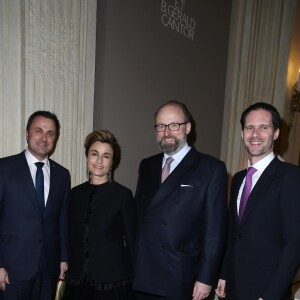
{"x":194,"y":290}
{"x":62,"y":275}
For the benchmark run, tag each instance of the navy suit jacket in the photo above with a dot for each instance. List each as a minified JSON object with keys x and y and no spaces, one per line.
{"x":182,"y":224}
{"x":263,"y":252}
{"x":24,"y":231}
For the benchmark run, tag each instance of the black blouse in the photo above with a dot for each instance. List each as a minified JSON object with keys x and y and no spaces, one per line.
{"x":102,"y":225}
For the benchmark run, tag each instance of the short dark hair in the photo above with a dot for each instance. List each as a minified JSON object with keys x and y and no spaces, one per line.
{"x":104,"y":136}
{"x":262,"y":105}
{"x":45,"y":114}
{"x":187,"y":114}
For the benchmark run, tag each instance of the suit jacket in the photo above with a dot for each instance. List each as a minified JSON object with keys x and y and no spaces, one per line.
{"x":102,"y":227}
{"x":263,"y":252}
{"x":24,"y":231}
{"x":182,"y":224}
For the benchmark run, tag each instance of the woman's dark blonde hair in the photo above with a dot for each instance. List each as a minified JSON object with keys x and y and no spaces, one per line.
{"x":104,"y":136}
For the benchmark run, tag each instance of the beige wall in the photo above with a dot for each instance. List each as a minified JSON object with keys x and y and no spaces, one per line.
{"x":140,"y":64}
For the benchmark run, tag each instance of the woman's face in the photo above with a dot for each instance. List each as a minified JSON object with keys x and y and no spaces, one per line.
{"x":99,"y":161}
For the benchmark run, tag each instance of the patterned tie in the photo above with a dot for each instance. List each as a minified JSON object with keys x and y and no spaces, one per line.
{"x":39,"y":185}
{"x":246,"y":191}
{"x":166,"y":169}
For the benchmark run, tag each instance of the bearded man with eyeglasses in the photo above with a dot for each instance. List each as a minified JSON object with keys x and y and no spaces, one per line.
{"x":182,"y":207}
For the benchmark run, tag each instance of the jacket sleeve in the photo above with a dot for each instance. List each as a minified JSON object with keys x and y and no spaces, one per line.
{"x":289,"y":259}
{"x":129,"y":219}
{"x":64,"y":242}
{"x":215,"y":227}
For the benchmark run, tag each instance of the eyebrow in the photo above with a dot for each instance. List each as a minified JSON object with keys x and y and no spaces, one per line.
{"x":40,"y":128}
{"x":94,"y":150}
{"x":252,"y":125}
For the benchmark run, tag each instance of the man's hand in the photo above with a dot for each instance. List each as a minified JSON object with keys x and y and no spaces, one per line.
{"x":201,"y":290}
{"x":220,"y":290}
{"x":63,"y":269}
{"x":3,"y":279}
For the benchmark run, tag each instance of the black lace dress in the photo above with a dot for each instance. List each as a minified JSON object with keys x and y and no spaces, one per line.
{"x":102,"y":222}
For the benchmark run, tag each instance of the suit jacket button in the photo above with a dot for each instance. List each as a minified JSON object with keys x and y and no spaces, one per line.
{"x":40,"y":241}
{"x":164,"y":224}
{"x":238,"y":236}
{"x":162,"y":247}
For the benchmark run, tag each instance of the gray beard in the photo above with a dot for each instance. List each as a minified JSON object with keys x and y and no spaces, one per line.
{"x":171,"y":148}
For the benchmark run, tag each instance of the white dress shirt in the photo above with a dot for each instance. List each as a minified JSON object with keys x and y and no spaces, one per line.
{"x":178,"y":157}
{"x":260,"y":167}
{"x":31,"y":160}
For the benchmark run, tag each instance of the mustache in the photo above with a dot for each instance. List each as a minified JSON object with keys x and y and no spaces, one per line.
{"x":168,"y":137}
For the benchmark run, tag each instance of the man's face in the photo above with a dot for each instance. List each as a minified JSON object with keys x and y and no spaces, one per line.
{"x":259,"y":134}
{"x":41,"y":137}
{"x":170,"y":142}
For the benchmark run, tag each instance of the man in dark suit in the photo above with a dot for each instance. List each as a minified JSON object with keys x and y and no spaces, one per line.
{"x":263,"y":251}
{"x":182,"y":220}
{"x":33,"y":215}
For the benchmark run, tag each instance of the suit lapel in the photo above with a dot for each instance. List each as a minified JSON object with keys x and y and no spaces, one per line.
{"x":235,"y":192}
{"x":156,"y":173}
{"x":173,"y":180}
{"x":264,"y":181}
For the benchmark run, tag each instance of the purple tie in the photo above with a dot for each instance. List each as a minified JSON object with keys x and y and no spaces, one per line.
{"x":166,"y":169}
{"x":246,"y":191}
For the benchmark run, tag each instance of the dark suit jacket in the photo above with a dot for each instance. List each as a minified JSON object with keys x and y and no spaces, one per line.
{"x":182,"y":224}
{"x":263,"y":252}
{"x":23,"y":230}
{"x":102,"y":224}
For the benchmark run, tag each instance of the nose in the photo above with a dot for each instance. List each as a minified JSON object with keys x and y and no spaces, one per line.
{"x":256,"y":132}
{"x":44,"y":136}
{"x":167,"y":131}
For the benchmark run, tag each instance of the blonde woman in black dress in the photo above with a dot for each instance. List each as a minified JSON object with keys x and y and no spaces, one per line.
{"x":102,"y":223}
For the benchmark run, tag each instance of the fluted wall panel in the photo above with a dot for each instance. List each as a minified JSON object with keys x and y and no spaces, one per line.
{"x":56,"y":70}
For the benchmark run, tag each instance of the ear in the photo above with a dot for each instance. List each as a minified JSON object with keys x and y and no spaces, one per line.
{"x":242,"y":134}
{"x":276,"y":134}
{"x":188,"y":128}
{"x":26,"y":136}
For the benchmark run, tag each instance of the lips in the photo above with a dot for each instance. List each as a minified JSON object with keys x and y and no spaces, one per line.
{"x":168,"y":139}
{"x":97,"y":167}
{"x":43,"y":145}
{"x":255,"y":142}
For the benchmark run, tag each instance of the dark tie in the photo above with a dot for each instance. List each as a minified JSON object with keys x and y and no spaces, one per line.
{"x":39,"y":185}
{"x":246,"y":191}
{"x":166,"y":169}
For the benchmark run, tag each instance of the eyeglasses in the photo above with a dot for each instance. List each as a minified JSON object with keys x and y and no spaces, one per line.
{"x":172,"y":127}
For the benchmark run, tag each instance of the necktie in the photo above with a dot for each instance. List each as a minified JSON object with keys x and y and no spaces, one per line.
{"x":39,"y":185}
{"x":246,"y":191}
{"x":166,"y":169}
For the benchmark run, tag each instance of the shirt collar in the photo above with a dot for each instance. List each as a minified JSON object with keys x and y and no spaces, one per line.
{"x":263,"y":163}
{"x":31,"y":159}
{"x":179,"y":155}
